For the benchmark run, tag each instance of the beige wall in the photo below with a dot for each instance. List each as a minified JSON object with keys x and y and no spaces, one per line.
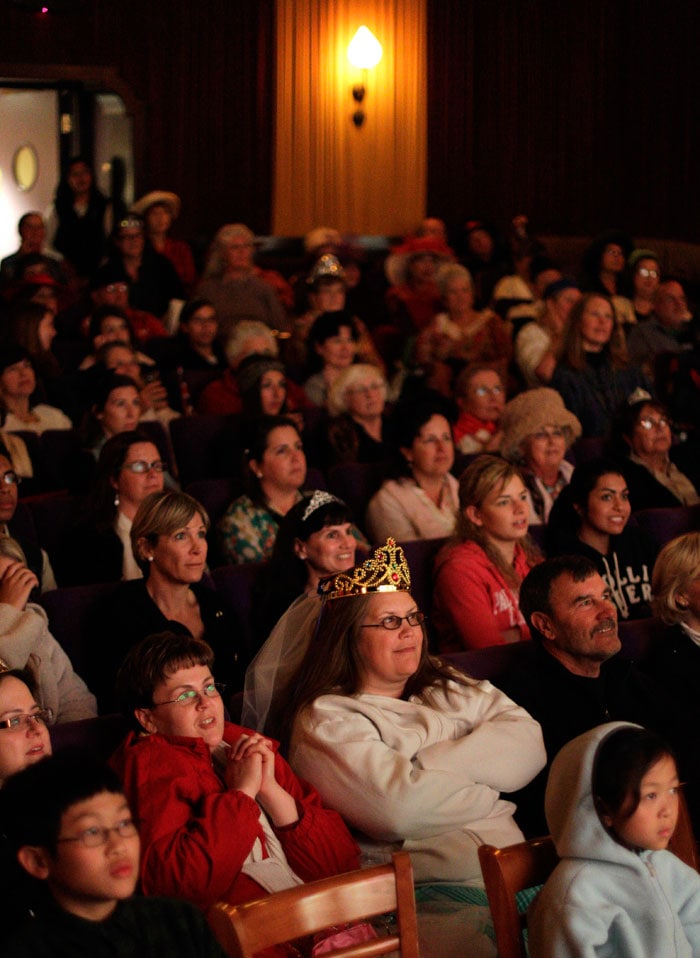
{"x":326,"y":171}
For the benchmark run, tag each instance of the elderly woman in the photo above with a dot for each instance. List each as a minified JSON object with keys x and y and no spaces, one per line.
{"x":412,"y":753}
{"x":169,"y":542}
{"x":98,"y":549}
{"x":316,"y":539}
{"x":537,"y":431}
{"x":221,"y":815}
{"x":477,"y":575}
{"x":275,"y":472}
{"x":463,"y":333}
{"x":27,"y":643}
{"x":357,"y":401}
{"x":591,"y":518}
{"x":593,"y":375}
{"x":654,"y":481}
{"x":420,"y":501}
{"x":231,"y":284}
{"x":537,"y":343}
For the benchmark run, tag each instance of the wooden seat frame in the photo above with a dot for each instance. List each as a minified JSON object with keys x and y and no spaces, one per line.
{"x":244,"y":930}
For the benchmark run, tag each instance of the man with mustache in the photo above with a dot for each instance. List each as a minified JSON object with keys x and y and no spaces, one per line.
{"x":570,"y":678}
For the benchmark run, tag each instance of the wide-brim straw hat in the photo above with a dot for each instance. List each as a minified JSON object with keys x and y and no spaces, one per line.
{"x":171,"y":200}
{"x":396,"y":264}
{"x":529,"y":412}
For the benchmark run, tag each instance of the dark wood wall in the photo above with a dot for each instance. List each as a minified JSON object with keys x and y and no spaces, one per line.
{"x":582,"y":114}
{"x":202,"y":72}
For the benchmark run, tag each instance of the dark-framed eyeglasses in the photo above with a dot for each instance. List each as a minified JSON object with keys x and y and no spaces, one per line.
{"x":393,"y":622}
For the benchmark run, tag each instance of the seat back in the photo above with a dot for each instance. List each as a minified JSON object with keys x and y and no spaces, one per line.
{"x":200,"y":442}
{"x":355,"y":483}
{"x":73,"y":618}
{"x":245,"y":930}
{"x":668,"y":523}
{"x":507,"y":871}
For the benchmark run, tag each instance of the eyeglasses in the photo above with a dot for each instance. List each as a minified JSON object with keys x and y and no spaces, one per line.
{"x":365,"y":390}
{"x":140,"y":466}
{"x":11,"y":478}
{"x":649,"y":423}
{"x":648,"y":273}
{"x":393,"y":622}
{"x":489,"y":391}
{"x":17,"y":723}
{"x":97,"y":835}
{"x":117,"y":288}
{"x":193,"y":697}
{"x":555,"y":433}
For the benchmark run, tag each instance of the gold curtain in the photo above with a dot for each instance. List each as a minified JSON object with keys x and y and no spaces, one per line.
{"x":327,"y":172}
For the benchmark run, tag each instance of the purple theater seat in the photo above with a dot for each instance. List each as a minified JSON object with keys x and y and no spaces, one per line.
{"x":668,"y":523}
{"x":98,"y":736}
{"x":72,"y":616}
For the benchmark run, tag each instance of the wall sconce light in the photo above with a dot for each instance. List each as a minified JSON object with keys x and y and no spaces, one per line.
{"x":364,"y":53}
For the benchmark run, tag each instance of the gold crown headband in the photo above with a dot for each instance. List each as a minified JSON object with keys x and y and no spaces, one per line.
{"x":386,"y":571}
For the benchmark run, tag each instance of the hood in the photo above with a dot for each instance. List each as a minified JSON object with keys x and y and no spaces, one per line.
{"x":571,"y":816}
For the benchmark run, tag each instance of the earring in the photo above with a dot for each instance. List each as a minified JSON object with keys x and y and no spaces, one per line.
{"x":684,"y":605}
{"x":116,"y":499}
{"x":150,"y":558}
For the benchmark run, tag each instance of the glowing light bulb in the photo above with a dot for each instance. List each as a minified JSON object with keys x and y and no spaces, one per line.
{"x":364,"y":50}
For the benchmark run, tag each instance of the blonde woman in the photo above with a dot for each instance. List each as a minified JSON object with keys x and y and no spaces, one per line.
{"x":357,"y":400}
{"x":477,"y":575}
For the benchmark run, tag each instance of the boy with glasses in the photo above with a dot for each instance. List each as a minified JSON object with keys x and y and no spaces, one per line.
{"x":68,"y":825}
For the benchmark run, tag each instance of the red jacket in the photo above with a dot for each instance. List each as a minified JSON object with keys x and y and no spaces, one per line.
{"x":222,"y":396}
{"x":472,"y":602}
{"x":196,"y":834}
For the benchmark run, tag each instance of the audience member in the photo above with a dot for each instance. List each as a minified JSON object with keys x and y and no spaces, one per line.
{"x":26,"y":643}
{"x":570,"y":677}
{"x":31,"y":326}
{"x":222,"y":817}
{"x":116,"y":408}
{"x":169,"y":543}
{"x":333,"y":341}
{"x":592,"y":374}
{"x":18,"y":387}
{"x":316,"y":539}
{"x":232,"y":285}
{"x":644,"y":274}
{"x":413,"y":298}
{"x":81,"y":218}
{"x":108,"y":287}
{"x":123,"y":360}
{"x":357,"y":405}
{"x":32,"y":236}
{"x":478,"y":573}
{"x":69,"y":826}
{"x":37,"y":559}
{"x":603,"y":267}
{"x":98,"y":548}
{"x":24,"y":736}
{"x":369,"y":697}
{"x":463,"y":334}
{"x":537,"y":431}
{"x":654,"y":480}
{"x":674,"y":659}
{"x":275,"y":472}
{"x":421,"y":500}
{"x":591,"y":518}
{"x":537,"y":343}
{"x":159,"y":209}
{"x":667,"y":329}
{"x":481,"y":397}
{"x":152,"y":279}
{"x":612,"y":806}
{"x":195,"y":345}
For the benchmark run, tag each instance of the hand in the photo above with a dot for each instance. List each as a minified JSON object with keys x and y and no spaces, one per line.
{"x":154,"y":395}
{"x":245,"y":765}
{"x":16,"y":584}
